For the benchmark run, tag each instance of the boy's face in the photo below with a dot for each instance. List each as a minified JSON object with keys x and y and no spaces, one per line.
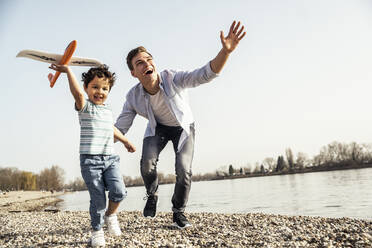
{"x":144,"y":68}
{"x":97,"y":90}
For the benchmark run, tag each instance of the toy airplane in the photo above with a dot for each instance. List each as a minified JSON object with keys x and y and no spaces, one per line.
{"x":65,"y":59}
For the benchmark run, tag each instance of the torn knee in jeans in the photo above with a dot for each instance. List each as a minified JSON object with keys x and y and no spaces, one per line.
{"x":148,"y":166}
{"x":183,"y":177}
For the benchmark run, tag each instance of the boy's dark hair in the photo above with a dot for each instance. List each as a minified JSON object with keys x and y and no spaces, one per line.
{"x":133,"y":53}
{"x":100,"y":71}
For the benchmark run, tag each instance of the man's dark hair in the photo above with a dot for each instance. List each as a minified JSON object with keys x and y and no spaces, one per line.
{"x":101,"y":72}
{"x":133,"y":53}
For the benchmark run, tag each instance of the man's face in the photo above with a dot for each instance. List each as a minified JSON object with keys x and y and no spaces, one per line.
{"x":144,"y":68}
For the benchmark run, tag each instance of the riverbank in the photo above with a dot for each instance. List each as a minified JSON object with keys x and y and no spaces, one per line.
{"x":23,"y":227}
{"x":71,"y":229}
{"x":23,"y":201}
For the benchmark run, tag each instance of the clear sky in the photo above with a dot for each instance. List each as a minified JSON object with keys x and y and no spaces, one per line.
{"x":301,"y":77}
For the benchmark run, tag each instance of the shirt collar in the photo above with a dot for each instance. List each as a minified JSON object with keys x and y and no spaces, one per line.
{"x":143,"y":91}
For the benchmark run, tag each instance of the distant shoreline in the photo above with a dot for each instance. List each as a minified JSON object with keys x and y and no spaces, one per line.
{"x":294,"y":171}
{"x":298,"y":171}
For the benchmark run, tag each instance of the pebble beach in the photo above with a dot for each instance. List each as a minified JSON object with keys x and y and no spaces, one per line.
{"x":25,"y":223}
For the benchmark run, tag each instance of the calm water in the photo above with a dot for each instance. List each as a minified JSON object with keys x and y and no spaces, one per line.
{"x":345,"y":193}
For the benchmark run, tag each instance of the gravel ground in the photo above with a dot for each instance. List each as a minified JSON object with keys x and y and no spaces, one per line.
{"x":27,"y":224}
{"x":71,"y":229}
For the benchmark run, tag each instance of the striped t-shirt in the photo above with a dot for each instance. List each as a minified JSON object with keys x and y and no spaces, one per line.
{"x":96,"y":129}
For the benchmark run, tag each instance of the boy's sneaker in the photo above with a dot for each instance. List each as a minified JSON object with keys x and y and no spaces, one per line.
{"x":150,"y":207}
{"x":180,"y":221}
{"x":97,"y":239}
{"x":112,"y":225}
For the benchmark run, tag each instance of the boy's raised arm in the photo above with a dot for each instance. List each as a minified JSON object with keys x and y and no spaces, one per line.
{"x":229,"y":43}
{"x":75,"y":88}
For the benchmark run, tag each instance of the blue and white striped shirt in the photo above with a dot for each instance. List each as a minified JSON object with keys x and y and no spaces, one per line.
{"x":96,"y":129}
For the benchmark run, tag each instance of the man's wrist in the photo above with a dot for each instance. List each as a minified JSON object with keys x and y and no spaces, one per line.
{"x":225,"y":52}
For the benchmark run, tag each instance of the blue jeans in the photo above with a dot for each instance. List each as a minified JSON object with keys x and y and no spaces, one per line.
{"x":152,"y":146}
{"x":100,"y":173}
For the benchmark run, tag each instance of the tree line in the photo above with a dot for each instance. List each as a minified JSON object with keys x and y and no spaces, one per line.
{"x":48,"y":179}
{"x":335,"y":155}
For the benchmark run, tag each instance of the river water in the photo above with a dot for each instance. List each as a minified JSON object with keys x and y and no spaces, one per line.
{"x":344,"y":193}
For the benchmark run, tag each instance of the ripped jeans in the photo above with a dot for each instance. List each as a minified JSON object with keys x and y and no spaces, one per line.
{"x":152,"y":146}
{"x":100,"y":173}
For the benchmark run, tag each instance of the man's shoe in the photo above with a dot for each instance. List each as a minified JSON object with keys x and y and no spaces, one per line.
{"x":180,"y":221}
{"x":98,"y":238}
{"x":113,"y":225}
{"x":150,"y":207}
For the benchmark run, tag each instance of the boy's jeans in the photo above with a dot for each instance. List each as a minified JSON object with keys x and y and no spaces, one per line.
{"x":101,"y":172}
{"x":152,"y":146}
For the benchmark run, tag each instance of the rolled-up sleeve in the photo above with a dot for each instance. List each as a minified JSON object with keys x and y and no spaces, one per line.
{"x":190,"y":79}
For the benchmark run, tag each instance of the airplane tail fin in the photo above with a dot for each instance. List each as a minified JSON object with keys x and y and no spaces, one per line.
{"x":53,"y":78}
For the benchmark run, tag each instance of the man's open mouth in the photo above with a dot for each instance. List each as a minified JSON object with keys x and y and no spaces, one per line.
{"x":149,"y":71}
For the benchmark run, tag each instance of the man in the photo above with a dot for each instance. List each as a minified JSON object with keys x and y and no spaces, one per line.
{"x":162,"y":99}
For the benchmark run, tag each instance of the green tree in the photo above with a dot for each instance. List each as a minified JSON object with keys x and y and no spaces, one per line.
{"x":231,"y":170}
{"x":290,"y":160}
{"x":280,"y":165}
{"x":27,"y":181}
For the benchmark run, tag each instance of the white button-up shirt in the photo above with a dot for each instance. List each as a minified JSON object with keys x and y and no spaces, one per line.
{"x":174,"y":85}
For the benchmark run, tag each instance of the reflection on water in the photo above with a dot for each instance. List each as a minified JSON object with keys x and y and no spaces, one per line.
{"x":345,"y":193}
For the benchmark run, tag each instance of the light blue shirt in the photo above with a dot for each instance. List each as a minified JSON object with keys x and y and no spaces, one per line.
{"x":96,"y":129}
{"x":174,"y":85}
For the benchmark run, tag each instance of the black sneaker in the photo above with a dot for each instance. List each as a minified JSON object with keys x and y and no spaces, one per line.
{"x":180,"y":221}
{"x":150,"y":208}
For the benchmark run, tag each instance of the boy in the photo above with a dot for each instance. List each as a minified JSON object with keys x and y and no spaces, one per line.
{"x":161,"y":97}
{"x":99,"y":166}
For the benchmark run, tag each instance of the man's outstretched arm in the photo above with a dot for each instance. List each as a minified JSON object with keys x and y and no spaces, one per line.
{"x":229,"y":43}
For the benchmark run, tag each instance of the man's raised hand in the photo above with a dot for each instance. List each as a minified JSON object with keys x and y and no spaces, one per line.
{"x":231,"y":41}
